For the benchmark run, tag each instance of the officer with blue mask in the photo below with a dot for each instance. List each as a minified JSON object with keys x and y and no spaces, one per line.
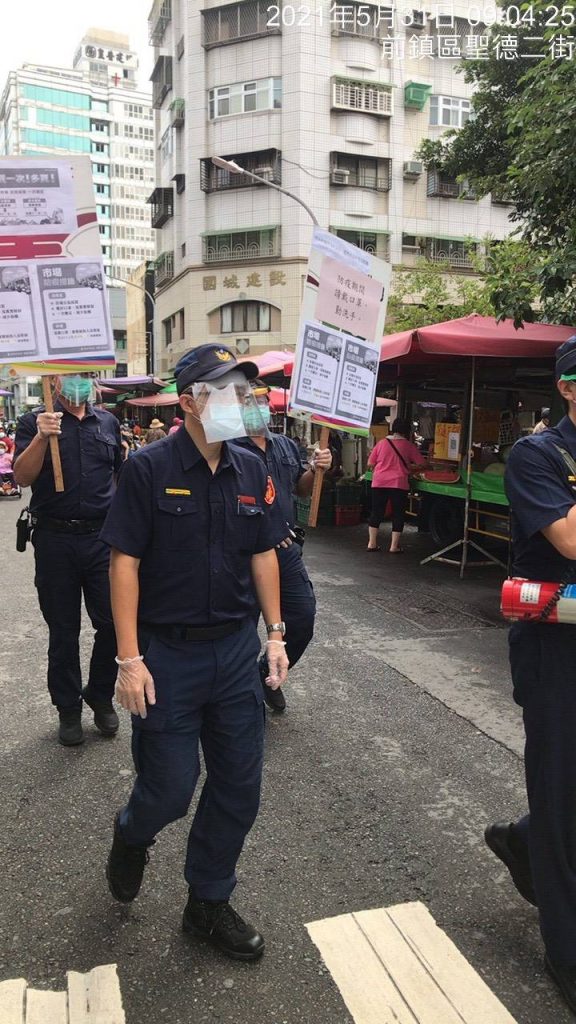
{"x":71,"y":561}
{"x":539,"y":850}
{"x":193,"y":530}
{"x":290,"y":476}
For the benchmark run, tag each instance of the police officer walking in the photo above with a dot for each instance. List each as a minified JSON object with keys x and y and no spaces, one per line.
{"x":291,"y":476}
{"x":70,"y":559}
{"x":540,"y":849}
{"x":192,"y":531}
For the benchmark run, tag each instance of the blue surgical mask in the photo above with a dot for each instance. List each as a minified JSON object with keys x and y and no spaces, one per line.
{"x":256,"y":417}
{"x":76,"y":390}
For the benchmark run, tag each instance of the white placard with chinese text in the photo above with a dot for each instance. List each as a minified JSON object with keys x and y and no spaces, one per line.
{"x":37,"y":198}
{"x":341,"y":327}
{"x":54,"y":310}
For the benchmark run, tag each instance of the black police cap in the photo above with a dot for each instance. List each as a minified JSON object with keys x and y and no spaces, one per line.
{"x":208,"y":362}
{"x":566,"y":358}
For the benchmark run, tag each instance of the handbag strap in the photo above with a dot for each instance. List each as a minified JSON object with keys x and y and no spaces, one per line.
{"x":399,"y":454}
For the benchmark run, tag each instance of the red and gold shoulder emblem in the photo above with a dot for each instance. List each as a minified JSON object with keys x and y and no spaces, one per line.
{"x":270,"y":495}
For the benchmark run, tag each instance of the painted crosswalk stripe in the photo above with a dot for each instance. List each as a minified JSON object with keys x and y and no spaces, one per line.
{"x":394,"y":965}
{"x":92,"y":998}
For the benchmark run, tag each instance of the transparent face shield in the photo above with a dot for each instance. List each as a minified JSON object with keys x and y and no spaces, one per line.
{"x":227,"y":409}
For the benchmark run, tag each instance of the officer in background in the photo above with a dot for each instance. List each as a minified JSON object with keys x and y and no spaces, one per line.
{"x":70,"y":559}
{"x":192,"y":530}
{"x":540,"y":849}
{"x":291,"y":476}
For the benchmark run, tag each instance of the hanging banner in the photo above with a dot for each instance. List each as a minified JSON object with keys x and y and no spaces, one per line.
{"x":54,"y":315}
{"x":341,"y":328}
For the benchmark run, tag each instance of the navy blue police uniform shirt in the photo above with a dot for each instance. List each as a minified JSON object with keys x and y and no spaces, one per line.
{"x":91,"y":454}
{"x":285,"y":467}
{"x":540,"y":491}
{"x":194,"y":531}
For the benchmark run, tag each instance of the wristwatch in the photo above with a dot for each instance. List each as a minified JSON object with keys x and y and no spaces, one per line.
{"x":276,"y":627}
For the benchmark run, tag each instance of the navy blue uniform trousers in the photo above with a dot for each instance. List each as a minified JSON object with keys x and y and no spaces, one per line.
{"x":542,"y":659}
{"x":297,"y":603}
{"x":67,"y":567}
{"x":208,"y":694}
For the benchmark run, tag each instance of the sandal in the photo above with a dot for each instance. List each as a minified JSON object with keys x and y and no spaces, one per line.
{"x":398,"y":551}
{"x":373,"y":549}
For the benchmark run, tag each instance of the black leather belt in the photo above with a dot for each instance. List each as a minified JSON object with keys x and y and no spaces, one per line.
{"x":194,"y":632}
{"x":67,"y":525}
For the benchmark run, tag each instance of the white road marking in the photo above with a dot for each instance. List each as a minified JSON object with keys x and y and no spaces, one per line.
{"x":92,"y":998}
{"x":396,"y":966}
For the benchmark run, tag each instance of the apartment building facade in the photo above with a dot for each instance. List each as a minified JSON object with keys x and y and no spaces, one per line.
{"x":332,"y":103}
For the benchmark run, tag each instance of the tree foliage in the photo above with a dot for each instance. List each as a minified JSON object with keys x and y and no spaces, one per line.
{"x":522,"y":144}
{"x":429,"y":294}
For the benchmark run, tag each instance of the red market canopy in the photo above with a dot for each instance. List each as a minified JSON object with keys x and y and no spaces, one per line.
{"x":474,"y":335}
{"x":272,"y":362}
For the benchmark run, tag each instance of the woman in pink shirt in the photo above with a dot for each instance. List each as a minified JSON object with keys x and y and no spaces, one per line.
{"x":393,"y":459}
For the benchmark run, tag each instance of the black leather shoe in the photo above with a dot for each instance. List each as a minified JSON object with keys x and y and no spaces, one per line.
{"x":70,"y":732}
{"x":565,"y":978}
{"x":125,"y":867}
{"x":220,"y":925}
{"x":499,"y":839}
{"x":105,"y":718}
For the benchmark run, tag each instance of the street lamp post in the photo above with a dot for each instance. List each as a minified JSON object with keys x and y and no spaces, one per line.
{"x":149,"y":320}
{"x":234,"y":168}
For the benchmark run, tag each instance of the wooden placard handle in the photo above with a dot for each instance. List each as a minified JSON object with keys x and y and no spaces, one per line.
{"x":318,"y":481}
{"x":54,"y":446}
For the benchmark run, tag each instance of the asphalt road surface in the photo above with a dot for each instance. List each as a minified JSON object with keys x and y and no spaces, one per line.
{"x":399,"y":744}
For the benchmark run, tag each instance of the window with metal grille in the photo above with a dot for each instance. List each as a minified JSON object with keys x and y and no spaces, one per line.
{"x":361,"y":171}
{"x":244,"y":316}
{"x":265,"y":163}
{"x":161,"y":79}
{"x":251,"y":244}
{"x":362,"y":19}
{"x":450,"y":111}
{"x":236,"y":22}
{"x":370,"y":97}
{"x":375,"y":242}
{"x":456,"y":254}
{"x":245,"y":97}
{"x":160,"y":18}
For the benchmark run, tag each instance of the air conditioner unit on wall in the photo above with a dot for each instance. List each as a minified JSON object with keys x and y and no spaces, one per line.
{"x":412,"y":168}
{"x":413,"y":250}
{"x":418,"y":19}
{"x":264,"y":172}
{"x":339,"y":177}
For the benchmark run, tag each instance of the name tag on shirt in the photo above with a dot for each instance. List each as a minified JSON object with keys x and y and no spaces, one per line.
{"x":177,"y":490}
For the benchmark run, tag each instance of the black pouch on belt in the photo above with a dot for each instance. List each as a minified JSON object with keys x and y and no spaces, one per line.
{"x":23,"y":529}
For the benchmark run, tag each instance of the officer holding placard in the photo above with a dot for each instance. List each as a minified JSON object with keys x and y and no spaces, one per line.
{"x":71,"y":560}
{"x":540,"y":849}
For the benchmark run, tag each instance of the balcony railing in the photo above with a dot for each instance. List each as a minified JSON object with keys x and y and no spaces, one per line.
{"x":164,"y":268}
{"x":444,"y":186}
{"x":160,"y":18}
{"x":162,"y":202}
{"x":238,"y":22}
{"x":266,"y":163}
{"x":456,"y":256}
{"x":241,"y":246}
{"x":373,"y":174}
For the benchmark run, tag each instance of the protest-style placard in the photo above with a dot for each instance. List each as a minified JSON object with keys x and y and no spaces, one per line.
{"x":341,"y":327}
{"x":54,"y":315}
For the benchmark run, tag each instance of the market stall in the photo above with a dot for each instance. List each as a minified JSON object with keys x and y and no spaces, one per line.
{"x":465,"y":361}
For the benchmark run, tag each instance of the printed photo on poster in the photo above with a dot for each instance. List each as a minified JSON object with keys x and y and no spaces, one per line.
{"x":357,"y":385}
{"x":318,"y":368}
{"x":74,"y":307}
{"x":37,"y":198}
{"x":18,"y":329}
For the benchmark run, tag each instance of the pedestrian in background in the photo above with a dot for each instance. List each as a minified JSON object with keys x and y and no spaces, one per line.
{"x":192,"y":531}
{"x":393,"y":458}
{"x":291,"y":476}
{"x":71,"y":561}
{"x":539,"y":850}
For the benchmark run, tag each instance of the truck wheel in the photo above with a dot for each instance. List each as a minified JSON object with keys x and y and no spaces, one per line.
{"x":446,"y":521}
